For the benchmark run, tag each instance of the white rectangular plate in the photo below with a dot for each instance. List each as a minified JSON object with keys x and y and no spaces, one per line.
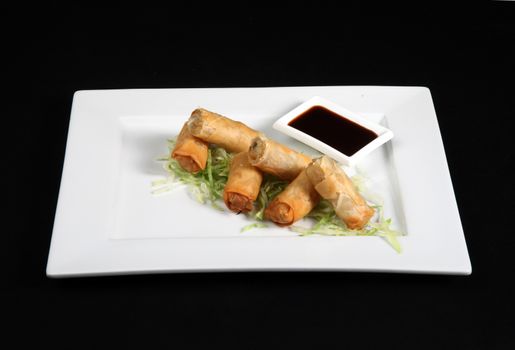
{"x":108,"y":222}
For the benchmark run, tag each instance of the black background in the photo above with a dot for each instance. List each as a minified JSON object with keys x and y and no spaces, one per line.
{"x":465,"y":56}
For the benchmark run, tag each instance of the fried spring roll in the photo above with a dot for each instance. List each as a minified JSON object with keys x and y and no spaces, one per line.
{"x":214,"y":128}
{"x":295,"y":202}
{"x":276,"y":159}
{"x":242,"y":187}
{"x":331,"y":182}
{"x":189,"y":151}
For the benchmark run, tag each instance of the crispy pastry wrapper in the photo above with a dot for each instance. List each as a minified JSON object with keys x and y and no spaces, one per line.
{"x":277,"y":159}
{"x":242,"y":187}
{"x":331,"y":182}
{"x":214,"y":128}
{"x":294,"y":202}
{"x":190,"y":152}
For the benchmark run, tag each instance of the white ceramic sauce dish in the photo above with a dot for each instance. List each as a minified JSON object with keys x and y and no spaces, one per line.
{"x":283,"y":125}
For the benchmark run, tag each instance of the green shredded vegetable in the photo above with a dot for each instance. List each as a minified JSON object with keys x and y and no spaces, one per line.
{"x":252,"y":226}
{"x":327,"y":223}
{"x":207,"y":186}
{"x":270,"y":188}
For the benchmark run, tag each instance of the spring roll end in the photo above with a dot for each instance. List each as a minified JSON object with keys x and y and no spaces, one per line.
{"x":256,"y":150}
{"x":280,"y":213}
{"x":358,"y":222}
{"x":315,"y":172}
{"x":187,"y":163}
{"x":195,"y":122}
{"x":237,"y":203}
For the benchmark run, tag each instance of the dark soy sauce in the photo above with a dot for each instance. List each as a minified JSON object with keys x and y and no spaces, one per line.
{"x":333,"y":129}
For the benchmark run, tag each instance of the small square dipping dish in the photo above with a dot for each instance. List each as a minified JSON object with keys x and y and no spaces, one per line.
{"x":383,"y":134}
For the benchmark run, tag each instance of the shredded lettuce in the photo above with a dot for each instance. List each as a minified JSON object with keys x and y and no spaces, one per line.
{"x":252,"y":226}
{"x":327,"y":223}
{"x":270,"y":188}
{"x":207,"y":186}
